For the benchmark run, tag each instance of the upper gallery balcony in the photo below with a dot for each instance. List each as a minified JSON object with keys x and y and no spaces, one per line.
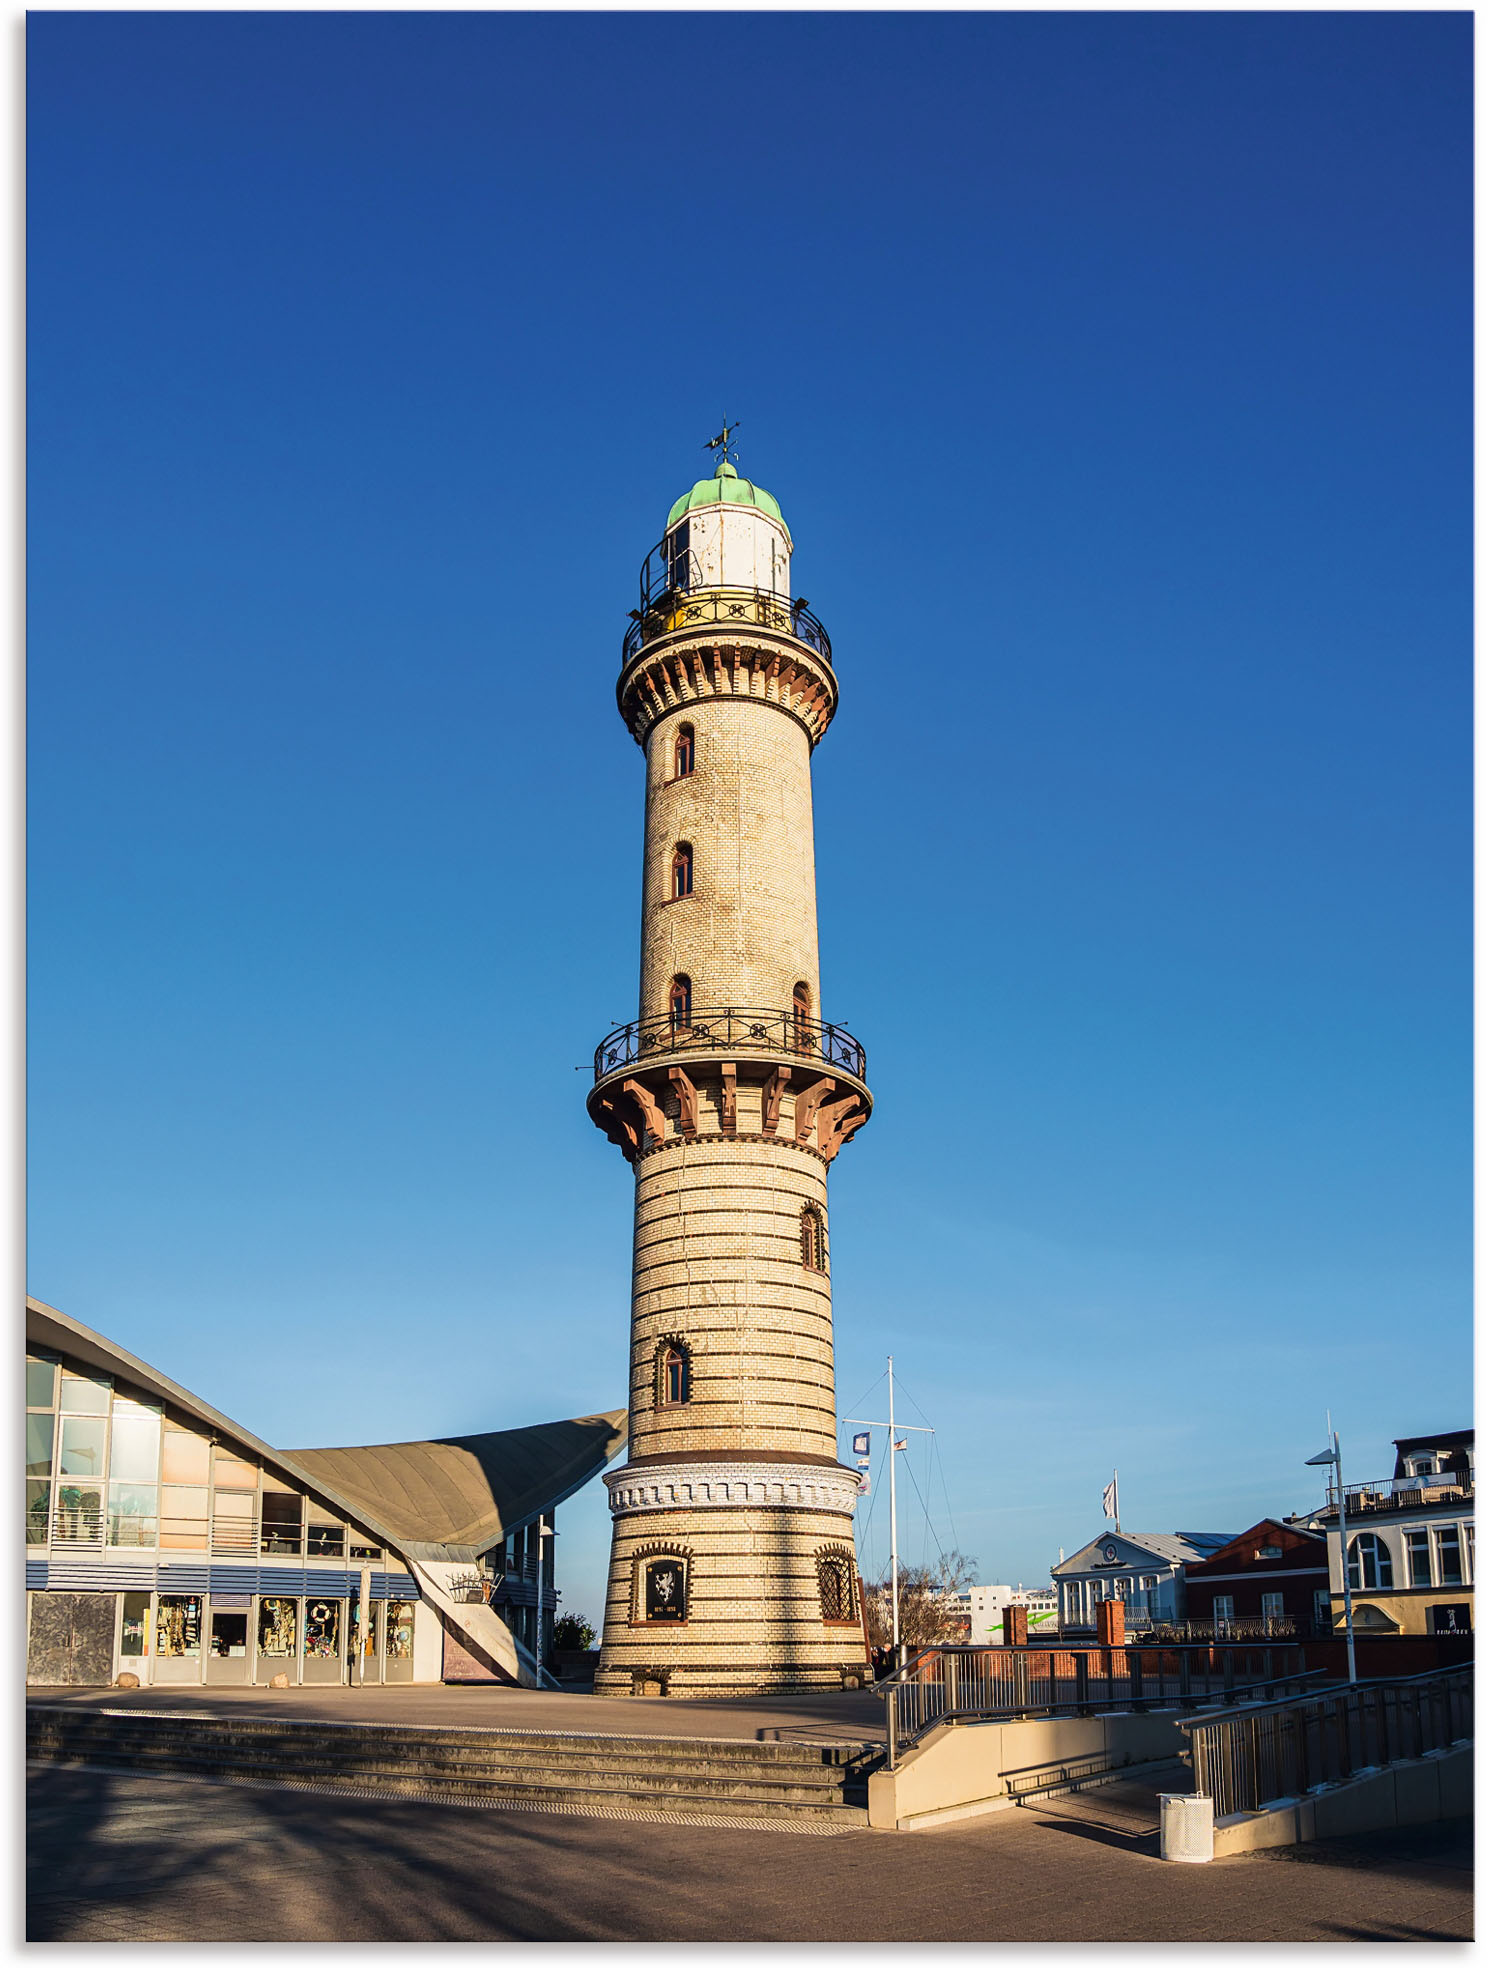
{"x":672,"y":599}
{"x":780,"y":1034}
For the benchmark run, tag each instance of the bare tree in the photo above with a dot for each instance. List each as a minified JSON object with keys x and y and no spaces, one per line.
{"x":929,"y":1614}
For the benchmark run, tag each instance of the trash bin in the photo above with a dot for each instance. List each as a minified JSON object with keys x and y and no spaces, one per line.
{"x":1187,"y":1828}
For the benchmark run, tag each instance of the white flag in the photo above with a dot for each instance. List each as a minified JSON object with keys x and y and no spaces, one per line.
{"x":1108,"y":1498}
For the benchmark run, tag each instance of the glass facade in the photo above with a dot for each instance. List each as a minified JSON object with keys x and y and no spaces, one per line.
{"x":111,"y":1472}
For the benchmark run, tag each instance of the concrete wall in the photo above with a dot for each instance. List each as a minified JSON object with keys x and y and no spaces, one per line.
{"x":963,"y":1767}
{"x":1418,"y":1792}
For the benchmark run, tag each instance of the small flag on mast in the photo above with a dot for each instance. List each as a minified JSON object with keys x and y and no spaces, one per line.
{"x":1108,"y":1500}
{"x":860,"y":1444}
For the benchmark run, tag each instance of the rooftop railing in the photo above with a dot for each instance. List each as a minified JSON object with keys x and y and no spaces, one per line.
{"x":1402,"y":1492}
{"x":731,"y":1030}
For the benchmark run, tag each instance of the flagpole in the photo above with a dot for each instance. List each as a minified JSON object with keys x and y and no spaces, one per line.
{"x":893,"y":1515}
{"x":1116,"y":1497}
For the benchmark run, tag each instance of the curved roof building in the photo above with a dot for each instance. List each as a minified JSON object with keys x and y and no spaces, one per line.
{"x":167,"y":1541}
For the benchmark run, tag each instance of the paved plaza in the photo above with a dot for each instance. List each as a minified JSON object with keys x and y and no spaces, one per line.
{"x":117,"y":1857}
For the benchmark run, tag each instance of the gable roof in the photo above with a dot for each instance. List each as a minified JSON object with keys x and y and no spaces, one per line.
{"x":1242,"y":1538}
{"x":1173,"y":1547}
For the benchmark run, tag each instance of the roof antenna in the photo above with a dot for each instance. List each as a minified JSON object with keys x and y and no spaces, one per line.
{"x":723,"y":443}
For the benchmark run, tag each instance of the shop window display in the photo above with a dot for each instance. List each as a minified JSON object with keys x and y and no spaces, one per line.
{"x":134,"y":1627}
{"x":278,"y":1629}
{"x":400,"y":1630}
{"x":178,"y":1627}
{"x":322,"y":1629}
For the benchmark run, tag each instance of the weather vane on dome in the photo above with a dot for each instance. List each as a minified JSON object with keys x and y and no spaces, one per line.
{"x":723,"y":442}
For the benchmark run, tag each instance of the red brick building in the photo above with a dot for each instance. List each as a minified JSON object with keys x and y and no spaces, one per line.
{"x":1272,"y":1578}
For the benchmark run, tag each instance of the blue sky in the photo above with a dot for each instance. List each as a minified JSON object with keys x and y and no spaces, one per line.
{"x":1113,"y":373}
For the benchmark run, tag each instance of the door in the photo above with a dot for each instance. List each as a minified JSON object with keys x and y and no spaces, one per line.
{"x":71,"y":1641}
{"x":227,"y":1648}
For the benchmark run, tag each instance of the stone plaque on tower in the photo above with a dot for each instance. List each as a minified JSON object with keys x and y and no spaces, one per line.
{"x":731,"y":1097}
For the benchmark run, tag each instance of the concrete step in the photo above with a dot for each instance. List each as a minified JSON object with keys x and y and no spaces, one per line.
{"x":789,"y":1781}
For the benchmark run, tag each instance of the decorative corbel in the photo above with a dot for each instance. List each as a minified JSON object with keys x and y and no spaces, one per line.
{"x":728,"y":1108}
{"x":808,"y":1102}
{"x":651,"y":1115}
{"x":618,"y":1129}
{"x":774,"y":1093}
{"x":686,"y":1101}
{"x":835,"y":1122}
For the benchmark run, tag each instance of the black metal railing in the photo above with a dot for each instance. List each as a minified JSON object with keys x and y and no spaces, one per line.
{"x":967,"y":1684}
{"x":1284,"y":1749}
{"x":781,"y":1033}
{"x":1443,"y":1489}
{"x":677,"y":608}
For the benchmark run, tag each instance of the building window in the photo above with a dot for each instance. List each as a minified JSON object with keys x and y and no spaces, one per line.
{"x":662,"y":1588}
{"x":1224,"y":1608}
{"x":834,"y":1577}
{"x":673,"y":1374}
{"x":178,"y":1627}
{"x":813,"y":1239}
{"x":1423,"y":1465}
{"x":1370,"y":1569}
{"x":1418,"y":1557}
{"x":679,"y":1003}
{"x":1272,"y":1606}
{"x":801,"y":1017}
{"x":682,"y":871}
{"x":684,"y":753}
{"x":679,"y":560}
{"x":1322,"y":1610}
{"x":1448,"y":1555}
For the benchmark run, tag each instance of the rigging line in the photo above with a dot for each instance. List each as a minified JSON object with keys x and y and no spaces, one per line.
{"x":915,"y":1480}
{"x":945,"y":1492}
{"x":864,"y":1396}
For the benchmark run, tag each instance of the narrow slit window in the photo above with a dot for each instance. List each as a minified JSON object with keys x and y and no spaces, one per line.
{"x":684,"y":757}
{"x":682,"y":871}
{"x":679,"y":1003}
{"x":813,"y":1239}
{"x":673,"y":1374}
{"x":801,"y":1017}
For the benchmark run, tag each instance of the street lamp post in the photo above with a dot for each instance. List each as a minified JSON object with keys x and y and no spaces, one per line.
{"x":1333,"y":1456}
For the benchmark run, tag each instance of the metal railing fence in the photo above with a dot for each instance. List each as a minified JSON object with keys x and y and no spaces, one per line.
{"x":730,"y":607}
{"x":731,"y":1030}
{"x":951,"y":1683}
{"x":1284,"y":1749}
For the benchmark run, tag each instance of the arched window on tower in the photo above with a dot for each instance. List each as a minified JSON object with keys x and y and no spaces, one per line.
{"x":679,"y":1003}
{"x":834,"y":1578}
{"x":813,"y":1238}
{"x":673,"y":1374}
{"x":682,"y":871}
{"x":684,"y":754}
{"x":801,"y":1017}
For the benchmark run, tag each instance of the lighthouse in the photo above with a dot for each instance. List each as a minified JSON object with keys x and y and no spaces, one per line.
{"x":732,"y":1566}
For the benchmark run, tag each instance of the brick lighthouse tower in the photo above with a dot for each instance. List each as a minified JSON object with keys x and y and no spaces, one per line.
{"x":731,"y":1569}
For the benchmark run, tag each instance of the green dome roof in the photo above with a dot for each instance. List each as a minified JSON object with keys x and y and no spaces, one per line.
{"x":726,"y":488}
